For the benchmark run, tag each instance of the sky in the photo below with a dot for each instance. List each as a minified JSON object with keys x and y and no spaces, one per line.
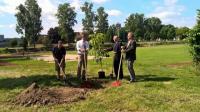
{"x":177,"y":12}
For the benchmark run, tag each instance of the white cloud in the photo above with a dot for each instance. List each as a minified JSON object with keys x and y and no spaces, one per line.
{"x":12,"y":25}
{"x":49,"y":9}
{"x":171,"y":13}
{"x":8,"y":26}
{"x":99,"y":1}
{"x":114,"y":12}
{"x":48,"y":14}
{"x":170,"y":2}
{"x":78,"y":28}
{"x":76,"y":4}
{"x":9,"y":6}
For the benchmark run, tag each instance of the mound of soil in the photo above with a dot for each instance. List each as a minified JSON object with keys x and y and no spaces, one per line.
{"x":35,"y":95}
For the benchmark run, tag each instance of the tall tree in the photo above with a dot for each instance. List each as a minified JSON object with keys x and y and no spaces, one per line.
{"x":101,"y":21}
{"x":29,"y":20}
{"x":135,"y":24}
{"x":181,"y":33}
{"x":34,"y":12}
{"x":88,"y":21}
{"x":53,"y":35}
{"x":22,"y":23}
{"x":152,"y":28}
{"x":66,"y":19}
{"x":168,"y":32}
{"x":112,"y":30}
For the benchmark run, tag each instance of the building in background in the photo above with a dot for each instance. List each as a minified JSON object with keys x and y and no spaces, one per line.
{"x":2,"y":38}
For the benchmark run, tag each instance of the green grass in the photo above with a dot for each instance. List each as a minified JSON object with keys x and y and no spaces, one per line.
{"x":160,"y":87}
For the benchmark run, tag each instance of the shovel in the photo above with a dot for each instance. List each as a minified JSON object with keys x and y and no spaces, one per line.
{"x":65,"y":78}
{"x":86,"y":83}
{"x":117,"y":82}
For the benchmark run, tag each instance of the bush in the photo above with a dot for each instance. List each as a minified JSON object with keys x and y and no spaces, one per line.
{"x":14,"y":43}
{"x":194,"y":42}
{"x":97,"y":42}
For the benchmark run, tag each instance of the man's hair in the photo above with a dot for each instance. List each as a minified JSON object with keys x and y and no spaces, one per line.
{"x":60,"y":42}
{"x":131,"y":33}
{"x":84,"y":34}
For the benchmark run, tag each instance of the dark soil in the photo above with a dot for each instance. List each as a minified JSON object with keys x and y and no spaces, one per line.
{"x":34,"y":95}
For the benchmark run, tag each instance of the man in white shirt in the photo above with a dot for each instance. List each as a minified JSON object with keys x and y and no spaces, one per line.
{"x":82,"y":47}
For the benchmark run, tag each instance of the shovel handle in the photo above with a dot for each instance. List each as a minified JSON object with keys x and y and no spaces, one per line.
{"x":119,"y":66}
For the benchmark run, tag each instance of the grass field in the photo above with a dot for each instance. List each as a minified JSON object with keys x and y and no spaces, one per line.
{"x":166,"y":82}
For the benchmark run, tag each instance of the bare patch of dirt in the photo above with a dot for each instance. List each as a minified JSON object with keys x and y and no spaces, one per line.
{"x":6,"y":64}
{"x":34,"y":95}
{"x":182,"y":64}
{"x":49,"y":58}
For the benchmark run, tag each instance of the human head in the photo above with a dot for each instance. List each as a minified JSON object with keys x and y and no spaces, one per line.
{"x":115,"y":38}
{"x":60,"y":44}
{"x":84,"y":36}
{"x":130,"y":36}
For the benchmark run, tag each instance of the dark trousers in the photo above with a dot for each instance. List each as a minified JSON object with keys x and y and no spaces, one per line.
{"x":82,"y":66}
{"x":116,"y":63}
{"x":130,"y":69}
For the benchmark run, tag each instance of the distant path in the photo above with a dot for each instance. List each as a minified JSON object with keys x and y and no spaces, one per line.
{"x":68,"y":57}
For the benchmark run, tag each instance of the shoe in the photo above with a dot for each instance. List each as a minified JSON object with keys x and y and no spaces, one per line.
{"x":58,"y":78}
{"x":132,"y":81}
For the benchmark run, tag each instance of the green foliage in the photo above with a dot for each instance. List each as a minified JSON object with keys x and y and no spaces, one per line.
{"x":110,"y":33}
{"x":14,"y":43}
{"x":53,"y":35}
{"x":29,"y":21}
{"x":182,"y":32}
{"x":88,"y":21}
{"x":101,"y":21}
{"x":152,"y":28}
{"x":135,"y":24}
{"x":167,"y":32}
{"x":66,"y":19}
{"x":24,"y":43}
{"x":194,"y":42}
{"x":97,"y":42}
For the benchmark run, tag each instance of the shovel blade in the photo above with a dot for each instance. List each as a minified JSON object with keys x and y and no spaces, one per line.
{"x":116,"y":84}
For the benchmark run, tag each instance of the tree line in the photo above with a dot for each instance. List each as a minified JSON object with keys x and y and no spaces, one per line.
{"x":145,"y":29}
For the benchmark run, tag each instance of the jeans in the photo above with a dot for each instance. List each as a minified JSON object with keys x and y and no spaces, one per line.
{"x":131,"y":70}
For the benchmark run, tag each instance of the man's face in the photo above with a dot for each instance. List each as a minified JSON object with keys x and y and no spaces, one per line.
{"x":129,"y":36}
{"x":115,"y":38}
{"x":59,"y":44}
{"x":84,"y":39}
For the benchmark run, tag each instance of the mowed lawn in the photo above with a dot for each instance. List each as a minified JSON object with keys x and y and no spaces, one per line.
{"x":166,"y":82}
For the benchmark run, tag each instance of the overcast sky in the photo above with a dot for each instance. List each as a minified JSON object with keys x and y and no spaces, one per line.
{"x":176,"y":12}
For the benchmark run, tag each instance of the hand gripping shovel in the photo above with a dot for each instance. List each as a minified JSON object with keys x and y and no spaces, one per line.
{"x":117,"y":82}
{"x":65,"y":78}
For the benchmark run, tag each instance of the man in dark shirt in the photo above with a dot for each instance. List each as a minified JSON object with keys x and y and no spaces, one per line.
{"x":130,"y":50}
{"x":59,"y":53}
{"x":117,"y":56}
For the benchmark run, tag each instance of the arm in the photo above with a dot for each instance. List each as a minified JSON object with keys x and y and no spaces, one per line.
{"x":64,"y":53}
{"x":87,"y":46}
{"x":132,"y":47}
{"x":77,"y":46}
{"x":53,"y":53}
